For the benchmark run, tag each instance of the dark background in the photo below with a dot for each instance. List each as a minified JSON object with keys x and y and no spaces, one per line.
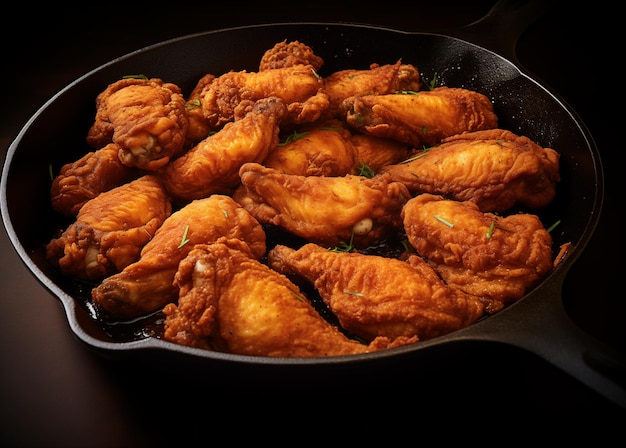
{"x":55,"y":392}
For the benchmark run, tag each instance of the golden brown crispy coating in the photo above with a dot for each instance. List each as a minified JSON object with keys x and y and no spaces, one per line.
{"x":287,"y":54}
{"x":322,"y":150}
{"x":499,"y":263}
{"x":87,"y":177}
{"x":421,"y":119}
{"x":231,"y":302}
{"x":212,"y":166}
{"x":111,"y":229}
{"x":377,"y":80}
{"x":230,"y":95}
{"x":378,"y":296}
{"x":325,"y":210}
{"x":199,"y":127}
{"x":496,"y":169}
{"x":146,"y":285}
{"x":146,"y":117}
{"x":377,"y":152}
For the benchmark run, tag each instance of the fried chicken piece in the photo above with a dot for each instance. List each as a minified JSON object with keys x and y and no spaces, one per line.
{"x":230,"y":302}
{"x":287,"y":54}
{"x":147,"y":285}
{"x":87,"y":177}
{"x":496,"y":258}
{"x":111,"y":229}
{"x":231,"y":95}
{"x":496,"y":169}
{"x":212,"y":166}
{"x":377,"y":152}
{"x":422,"y":119}
{"x":199,"y":127}
{"x":377,"y":80}
{"x":377,"y":296}
{"x":146,"y":117}
{"x":323,"y":150}
{"x":326,"y":210}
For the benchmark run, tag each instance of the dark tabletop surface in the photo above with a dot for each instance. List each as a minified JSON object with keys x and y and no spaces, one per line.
{"x":54,"y":391}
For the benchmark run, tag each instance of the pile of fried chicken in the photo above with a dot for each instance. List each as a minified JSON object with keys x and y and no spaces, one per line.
{"x":171,"y":205}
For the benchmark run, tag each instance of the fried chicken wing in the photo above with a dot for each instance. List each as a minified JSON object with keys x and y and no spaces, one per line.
{"x":496,"y":169}
{"x":378,"y":296}
{"x":422,"y":119}
{"x":326,"y":210}
{"x":323,"y":150}
{"x":111,"y":229}
{"x":287,"y":54}
{"x":147,"y":118}
{"x":299,"y":87}
{"x":231,"y":302}
{"x":377,"y":80}
{"x":496,"y":258}
{"x":147,"y":284}
{"x":87,"y":177}
{"x":212,"y":166}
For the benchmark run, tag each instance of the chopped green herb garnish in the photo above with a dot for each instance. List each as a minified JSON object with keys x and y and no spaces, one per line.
{"x":366,"y":171}
{"x":184,"y":240}
{"x":353,"y":293}
{"x":194,"y":104}
{"x":293,"y":137}
{"x":433,"y":82}
{"x":553,"y":226}
{"x":343,"y":246}
{"x":444,"y":221}
{"x":491,"y":227}
{"x":407,"y":92}
{"x":315,"y":74}
{"x":134,"y":77}
{"x":418,"y":156}
{"x":298,"y":296}
{"x":50,"y":172}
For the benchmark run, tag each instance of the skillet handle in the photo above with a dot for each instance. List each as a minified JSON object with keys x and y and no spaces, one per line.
{"x":540,"y":325}
{"x":502,"y":26}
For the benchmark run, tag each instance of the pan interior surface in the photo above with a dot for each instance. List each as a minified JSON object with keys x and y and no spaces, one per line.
{"x":56,"y":135}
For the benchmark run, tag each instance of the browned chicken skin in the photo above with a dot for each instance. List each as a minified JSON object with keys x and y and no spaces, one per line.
{"x":87,"y":177}
{"x":231,"y":94}
{"x":231,"y":302}
{"x":377,"y":80}
{"x":146,"y":285}
{"x":212,"y":166}
{"x":495,"y":168}
{"x":378,"y":296}
{"x":147,"y":118}
{"x":493,"y":257}
{"x":326,"y":210}
{"x":287,"y":54}
{"x":420,"y":119}
{"x":111,"y":229}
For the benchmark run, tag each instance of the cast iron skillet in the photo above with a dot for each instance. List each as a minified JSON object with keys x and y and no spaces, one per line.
{"x":537,"y":323}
